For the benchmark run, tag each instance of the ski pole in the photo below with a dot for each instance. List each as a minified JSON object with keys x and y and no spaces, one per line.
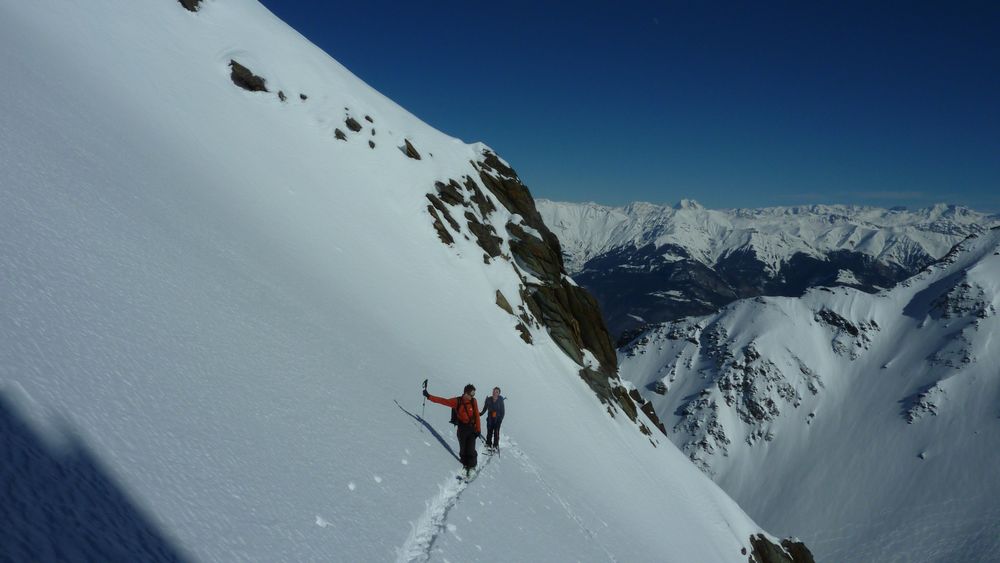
{"x":425,"y":401}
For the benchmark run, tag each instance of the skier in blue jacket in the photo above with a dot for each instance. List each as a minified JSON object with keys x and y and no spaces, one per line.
{"x":493,"y":408}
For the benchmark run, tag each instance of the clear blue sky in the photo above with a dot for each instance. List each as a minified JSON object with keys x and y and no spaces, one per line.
{"x":734,"y":104}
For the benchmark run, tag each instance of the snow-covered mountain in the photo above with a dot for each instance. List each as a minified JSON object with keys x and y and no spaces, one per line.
{"x":227,"y":266}
{"x":868,"y":423}
{"x":647,"y":263}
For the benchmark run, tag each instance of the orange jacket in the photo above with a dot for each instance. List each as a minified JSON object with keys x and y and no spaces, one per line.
{"x":468,"y":412}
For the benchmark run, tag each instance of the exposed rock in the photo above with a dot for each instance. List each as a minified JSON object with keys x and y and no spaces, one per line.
{"x":503,"y":303}
{"x":835,"y":320}
{"x":752,"y":384}
{"x":485,"y":235}
{"x":369,"y":119}
{"x":303,"y":97}
{"x":281,"y":95}
{"x":190,"y":5}
{"x":571,"y":315}
{"x":439,"y":226}
{"x":450,"y":193}
{"x":339,"y":134}
{"x":568,"y":312}
{"x":484,"y":203}
{"x":525,"y":333}
{"x":352,"y":124}
{"x":850,"y":339}
{"x":534,"y":255}
{"x":700,"y":419}
{"x":963,"y":300}
{"x":764,"y":551}
{"x":242,"y":77}
{"x":923,"y":403}
{"x":650,"y":412}
{"x":526,"y":298}
{"x":409,"y":150}
{"x":440,"y":206}
{"x":371,"y":144}
{"x":514,"y":195}
{"x":574,"y":321}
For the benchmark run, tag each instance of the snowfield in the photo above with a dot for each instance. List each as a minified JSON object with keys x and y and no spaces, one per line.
{"x":215,"y":317}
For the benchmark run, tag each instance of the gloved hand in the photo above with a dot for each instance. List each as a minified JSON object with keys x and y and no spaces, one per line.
{"x":426,"y":394}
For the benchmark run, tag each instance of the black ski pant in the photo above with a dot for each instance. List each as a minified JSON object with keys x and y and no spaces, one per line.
{"x":493,"y":434}
{"x":467,"y":445}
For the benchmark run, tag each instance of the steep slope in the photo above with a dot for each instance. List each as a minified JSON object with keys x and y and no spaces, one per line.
{"x":868,"y":423}
{"x":222,"y":285}
{"x":647,"y":263}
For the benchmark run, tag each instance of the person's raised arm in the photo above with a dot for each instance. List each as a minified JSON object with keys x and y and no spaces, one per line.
{"x":442,"y":401}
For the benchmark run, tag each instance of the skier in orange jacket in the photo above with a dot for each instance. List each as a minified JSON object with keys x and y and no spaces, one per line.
{"x":466,"y":413}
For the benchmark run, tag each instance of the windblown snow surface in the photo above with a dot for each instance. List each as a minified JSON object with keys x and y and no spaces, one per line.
{"x":215,"y":317}
{"x":869,"y":424}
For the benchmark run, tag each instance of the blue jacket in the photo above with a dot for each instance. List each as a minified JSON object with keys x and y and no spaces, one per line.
{"x":494,"y":408}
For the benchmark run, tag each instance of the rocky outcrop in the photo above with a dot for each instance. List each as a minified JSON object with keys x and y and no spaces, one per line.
{"x":765,"y":551}
{"x":741,"y":384}
{"x":570,"y":313}
{"x":244,"y":78}
{"x":548,"y":298}
{"x":923,"y":403}
{"x":485,"y":234}
{"x":190,"y":5}
{"x":850,"y":339}
{"x":352,"y":124}
{"x":409,"y":150}
{"x":503,"y":303}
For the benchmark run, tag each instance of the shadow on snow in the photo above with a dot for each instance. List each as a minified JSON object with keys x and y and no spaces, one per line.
{"x":431,"y":429}
{"x":59,"y":504}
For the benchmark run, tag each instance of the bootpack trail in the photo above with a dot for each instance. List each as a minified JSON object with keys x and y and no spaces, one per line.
{"x":427,"y":527}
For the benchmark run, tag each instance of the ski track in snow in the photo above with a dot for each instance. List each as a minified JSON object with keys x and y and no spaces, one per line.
{"x":425,"y":530}
{"x":433,"y":521}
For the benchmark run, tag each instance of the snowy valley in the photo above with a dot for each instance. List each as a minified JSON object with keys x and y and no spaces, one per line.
{"x":228,"y":263}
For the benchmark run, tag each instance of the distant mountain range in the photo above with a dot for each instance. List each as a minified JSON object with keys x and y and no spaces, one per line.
{"x":649,"y":263}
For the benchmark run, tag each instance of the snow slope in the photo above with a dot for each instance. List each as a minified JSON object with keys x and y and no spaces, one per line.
{"x":775,"y":234}
{"x":869,"y":424}
{"x":210,"y":307}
